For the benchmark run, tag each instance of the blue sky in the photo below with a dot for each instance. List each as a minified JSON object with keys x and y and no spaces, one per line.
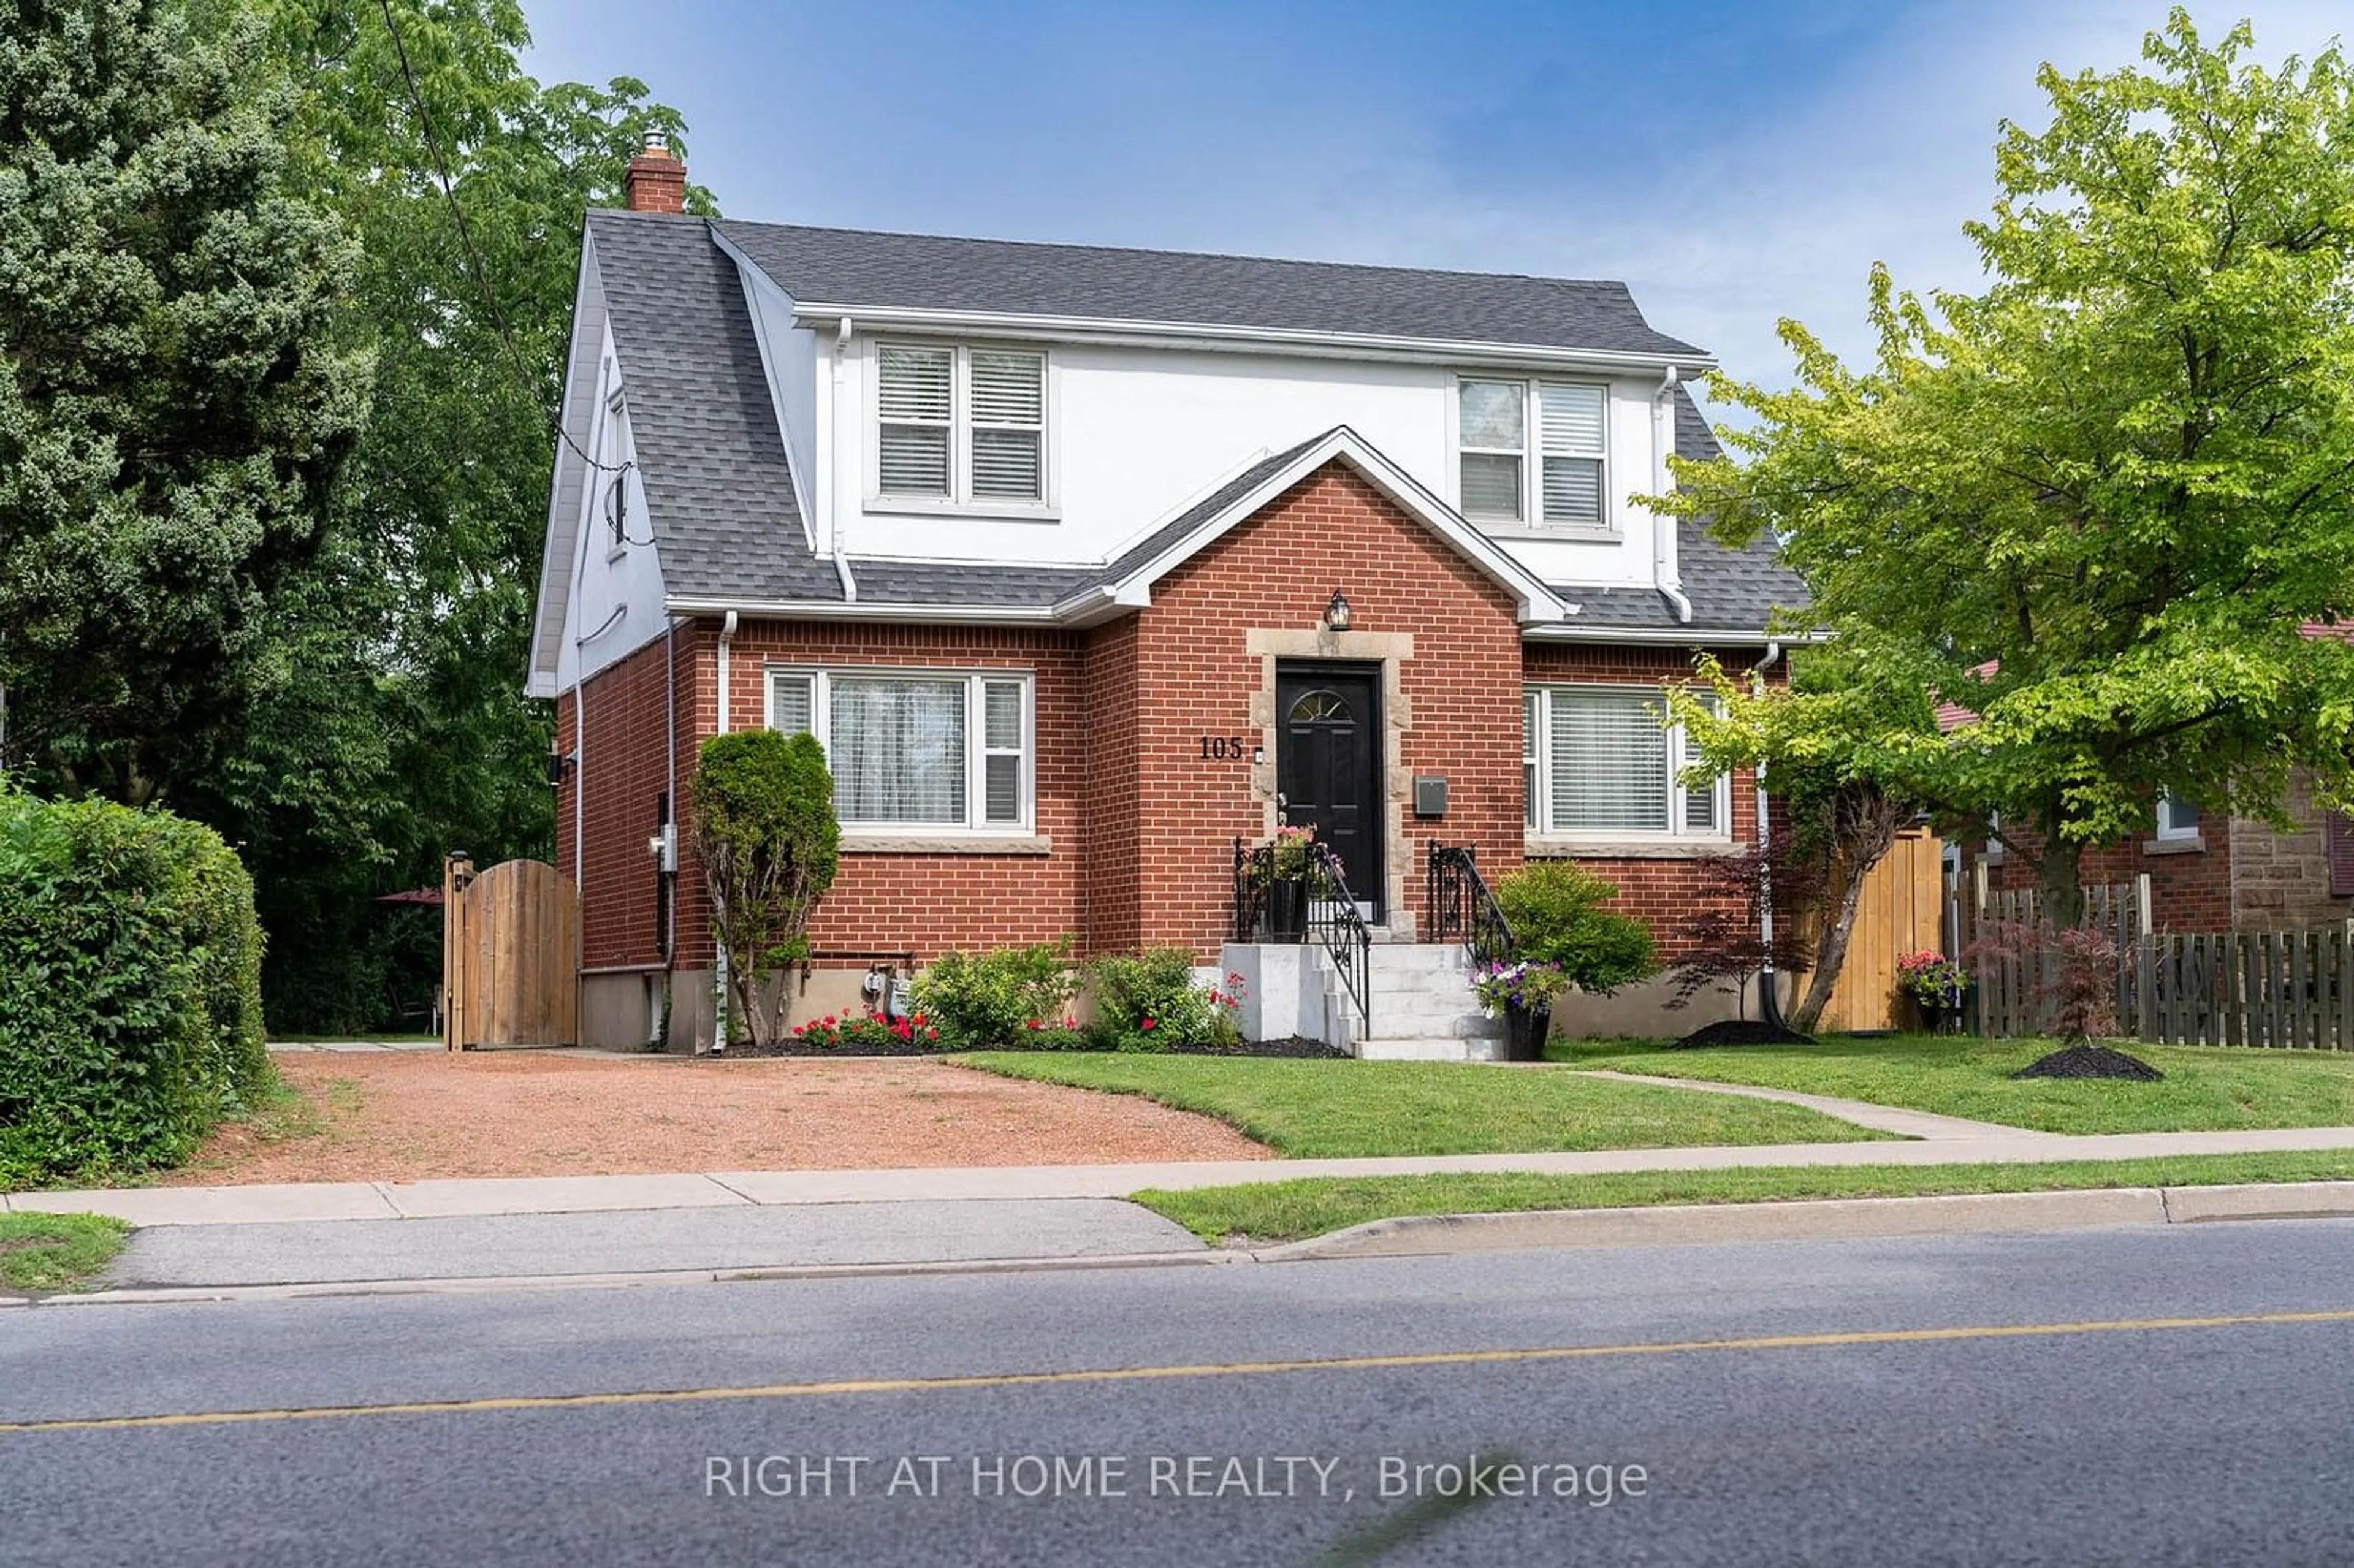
{"x":1736,"y":163}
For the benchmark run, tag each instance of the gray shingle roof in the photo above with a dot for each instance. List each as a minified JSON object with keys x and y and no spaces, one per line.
{"x":955,"y":583}
{"x":726,"y":517}
{"x":853,"y":267}
{"x":1729,"y":590}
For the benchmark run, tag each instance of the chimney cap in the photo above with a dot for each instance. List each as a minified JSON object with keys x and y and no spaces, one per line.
{"x":658,"y":146}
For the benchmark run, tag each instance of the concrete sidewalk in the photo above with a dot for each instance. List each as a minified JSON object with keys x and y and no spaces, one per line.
{"x":740,"y":1189}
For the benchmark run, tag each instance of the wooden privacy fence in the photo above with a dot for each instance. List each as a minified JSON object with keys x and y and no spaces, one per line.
{"x":510,"y":955}
{"x":1901,"y":910}
{"x":2288,"y":989}
{"x":2007,"y":997}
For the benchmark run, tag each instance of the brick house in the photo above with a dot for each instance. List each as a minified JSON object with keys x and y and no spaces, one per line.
{"x":1045,"y":542}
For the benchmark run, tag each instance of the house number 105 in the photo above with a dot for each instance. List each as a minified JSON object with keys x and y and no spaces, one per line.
{"x":1221,"y":746}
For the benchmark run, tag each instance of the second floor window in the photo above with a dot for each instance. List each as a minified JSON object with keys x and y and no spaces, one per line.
{"x":961,"y":424}
{"x":1532,"y":452}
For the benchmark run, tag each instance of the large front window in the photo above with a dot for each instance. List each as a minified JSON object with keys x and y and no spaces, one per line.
{"x":916,"y":748}
{"x":1532,"y":452}
{"x":1596,"y":761}
{"x":961,"y":424}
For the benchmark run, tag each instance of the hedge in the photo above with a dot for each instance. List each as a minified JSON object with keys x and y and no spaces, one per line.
{"x":129,"y":988}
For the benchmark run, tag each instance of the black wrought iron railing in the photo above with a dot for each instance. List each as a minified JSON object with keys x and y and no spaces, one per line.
{"x":1460,"y":907}
{"x":1305,"y":898}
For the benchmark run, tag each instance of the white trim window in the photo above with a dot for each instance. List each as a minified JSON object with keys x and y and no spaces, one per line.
{"x":960,"y":425}
{"x":2178,"y":818}
{"x":936,"y":750}
{"x":1597,"y":763}
{"x":1563,"y":427}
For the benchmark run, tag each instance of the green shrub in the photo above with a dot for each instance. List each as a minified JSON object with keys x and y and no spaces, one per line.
{"x":1149,"y":1003}
{"x":998,"y":998}
{"x":1556,"y":915}
{"x":129,"y":988}
{"x":764,"y":829}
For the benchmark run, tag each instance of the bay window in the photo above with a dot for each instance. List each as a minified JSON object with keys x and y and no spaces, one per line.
{"x":925,"y":749}
{"x":1596,"y":761}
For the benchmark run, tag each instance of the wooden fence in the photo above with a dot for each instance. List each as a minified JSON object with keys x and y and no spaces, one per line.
{"x":510,"y":955}
{"x":2290,"y":990}
{"x":2008,"y":999}
{"x":1900,"y":911}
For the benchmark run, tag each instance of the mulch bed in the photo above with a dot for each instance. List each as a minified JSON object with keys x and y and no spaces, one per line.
{"x":2090,"y":1061}
{"x":1741,"y":1032}
{"x":1298,"y":1046}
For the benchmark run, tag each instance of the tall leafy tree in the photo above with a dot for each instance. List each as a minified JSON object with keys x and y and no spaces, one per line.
{"x":180,"y":386}
{"x":403,"y":731}
{"x":2105,"y":502}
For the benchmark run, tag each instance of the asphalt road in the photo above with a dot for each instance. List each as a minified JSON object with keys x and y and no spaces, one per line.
{"x":1899,"y":1429}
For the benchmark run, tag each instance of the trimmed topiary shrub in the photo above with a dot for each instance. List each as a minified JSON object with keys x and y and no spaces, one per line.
{"x":764,"y":828}
{"x":1008,"y":996}
{"x":129,"y":988}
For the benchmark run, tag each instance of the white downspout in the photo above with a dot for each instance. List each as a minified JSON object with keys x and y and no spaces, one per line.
{"x":1767,"y":1002}
{"x":833,"y":432}
{"x":719,"y":964}
{"x":1665,"y":575}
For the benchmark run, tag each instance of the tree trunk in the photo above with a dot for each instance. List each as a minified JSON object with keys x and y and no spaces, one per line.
{"x":2060,"y":866}
{"x":1865,"y":825}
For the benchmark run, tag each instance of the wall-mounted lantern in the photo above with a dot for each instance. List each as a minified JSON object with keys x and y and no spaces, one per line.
{"x":1337,"y":613}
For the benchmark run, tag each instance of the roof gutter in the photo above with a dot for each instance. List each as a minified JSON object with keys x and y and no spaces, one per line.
{"x":1250,"y":339}
{"x":834,"y":610}
{"x":1675,"y":636}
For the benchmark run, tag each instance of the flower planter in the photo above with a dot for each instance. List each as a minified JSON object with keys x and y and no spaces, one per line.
{"x":1284,"y":910}
{"x":1524,"y":1031}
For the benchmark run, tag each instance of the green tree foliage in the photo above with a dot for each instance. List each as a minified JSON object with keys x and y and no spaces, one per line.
{"x":1556,"y":910}
{"x":765,"y":834}
{"x":180,"y":385}
{"x":2098,"y":503}
{"x":129,"y":988}
{"x":1836,"y":745}
{"x":399,"y":729}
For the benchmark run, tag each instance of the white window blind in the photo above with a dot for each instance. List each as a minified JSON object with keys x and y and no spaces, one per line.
{"x":1609,"y":761}
{"x":1529,"y":755}
{"x":1492,"y":422}
{"x":1009,"y":411}
{"x":792,"y":703}
{"x":1002,"y":750}
{"x":917,"y":419}
{"x":1571,"y":423}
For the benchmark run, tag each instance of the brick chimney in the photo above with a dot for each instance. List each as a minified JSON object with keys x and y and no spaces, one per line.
{"x":656,"y":181}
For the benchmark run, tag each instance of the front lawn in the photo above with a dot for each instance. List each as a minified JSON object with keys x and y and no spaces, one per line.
{"x":1287,"y":1211}
{"x":1349,"y":1109}
{"x":2207,"y":1089}
{"x":57,"y":1252}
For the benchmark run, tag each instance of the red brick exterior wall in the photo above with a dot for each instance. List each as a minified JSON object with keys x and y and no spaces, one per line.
{"x":1141,"y":827}
{"x":1194,"y":677}
{"x":1662,"y":893}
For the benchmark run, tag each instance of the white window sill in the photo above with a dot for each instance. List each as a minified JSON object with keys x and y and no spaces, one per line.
{"x":946,"y":844}
{"x":1564,"y":532}
{"x":1557,"y":846}
{"x":987,"y":510}
{"x":2188,"y":844}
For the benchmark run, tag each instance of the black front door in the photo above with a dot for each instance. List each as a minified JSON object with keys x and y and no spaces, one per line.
{"x":1329,"y":765}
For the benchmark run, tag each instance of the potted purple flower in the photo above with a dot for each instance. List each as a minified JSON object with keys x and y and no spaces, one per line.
{"x":1523,"y":994}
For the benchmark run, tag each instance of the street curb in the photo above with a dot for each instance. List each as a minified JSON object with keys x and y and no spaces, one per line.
{"x":457,"y":1284}
{"x":1684,"y":1225}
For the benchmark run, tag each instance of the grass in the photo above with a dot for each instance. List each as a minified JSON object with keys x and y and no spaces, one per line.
{"x":2207,"y":1089}
{"x":1346,"y":1109}
{"x":57,"y":1252}
{"x":1287,"y":1210}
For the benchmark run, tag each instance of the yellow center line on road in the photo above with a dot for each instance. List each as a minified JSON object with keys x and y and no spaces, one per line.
{"x":1208,"y":1369}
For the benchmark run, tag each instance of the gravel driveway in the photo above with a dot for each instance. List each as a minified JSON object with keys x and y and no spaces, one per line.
{"x":407,"y":1117}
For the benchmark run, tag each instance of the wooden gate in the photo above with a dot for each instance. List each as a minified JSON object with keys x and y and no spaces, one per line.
{"x":510,"y":956}
{"x":1901,"y":911}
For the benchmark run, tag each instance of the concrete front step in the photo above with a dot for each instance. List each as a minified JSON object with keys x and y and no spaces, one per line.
{"x":1431,"y":1048}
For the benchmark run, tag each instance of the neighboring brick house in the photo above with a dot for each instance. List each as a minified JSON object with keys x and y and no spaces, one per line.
{"x":1043,"y":542}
